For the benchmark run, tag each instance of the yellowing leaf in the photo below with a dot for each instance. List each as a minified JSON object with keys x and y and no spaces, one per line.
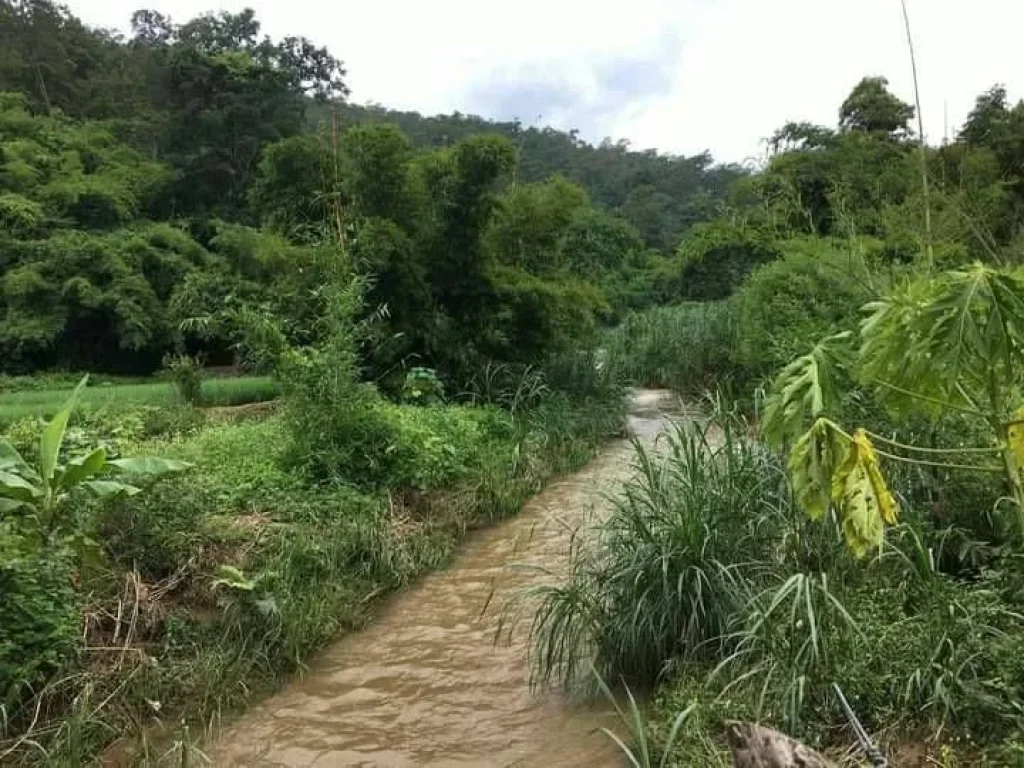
{"x":886,"y":501}
{"x":862,"y":523}
{"x":812,"y":463}
{"x":864,"y":499}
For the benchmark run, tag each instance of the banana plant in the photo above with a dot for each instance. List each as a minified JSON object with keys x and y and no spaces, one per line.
{"x":38,"y":492}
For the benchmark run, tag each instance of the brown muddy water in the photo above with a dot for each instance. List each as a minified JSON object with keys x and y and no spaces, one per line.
{"x":426,"y":683}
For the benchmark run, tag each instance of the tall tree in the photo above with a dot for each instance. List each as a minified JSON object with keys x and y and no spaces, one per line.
{"x":47,"y":54}
{"x":871,"y":107}
{"x":228,"y":92}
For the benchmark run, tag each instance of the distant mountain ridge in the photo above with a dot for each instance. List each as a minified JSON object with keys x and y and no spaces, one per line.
{"x":662,"y":195}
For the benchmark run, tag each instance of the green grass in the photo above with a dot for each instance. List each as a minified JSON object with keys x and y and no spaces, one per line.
{"x":216,"y":392}
{"x":664,"y":581}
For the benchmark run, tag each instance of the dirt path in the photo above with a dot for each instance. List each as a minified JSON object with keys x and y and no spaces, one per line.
{"x":425,"y":684}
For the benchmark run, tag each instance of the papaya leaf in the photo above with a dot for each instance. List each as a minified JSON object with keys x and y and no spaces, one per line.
{"x":947,"y":339}
{"x":862,"y":526}
{"x":860,"y":492}
{"x":805,"y":389}
{"x":812,"y":464}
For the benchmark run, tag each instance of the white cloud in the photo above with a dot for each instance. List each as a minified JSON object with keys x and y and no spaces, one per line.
{"x":706,"y":74}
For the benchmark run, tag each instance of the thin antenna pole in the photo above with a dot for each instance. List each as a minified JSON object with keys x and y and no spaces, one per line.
{"x":929,"y":250}
{"x":945,"y":121}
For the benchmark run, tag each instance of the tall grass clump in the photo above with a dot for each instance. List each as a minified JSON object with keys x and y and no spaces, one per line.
{"x":688,"y":347}
{"x":708,"y":579}
{"x":669,"y":568}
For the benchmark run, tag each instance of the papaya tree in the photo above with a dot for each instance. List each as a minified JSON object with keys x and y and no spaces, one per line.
{"x":937,"y":343}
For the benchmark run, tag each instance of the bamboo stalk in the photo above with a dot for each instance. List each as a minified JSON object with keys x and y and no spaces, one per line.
{"x":929,"y":249}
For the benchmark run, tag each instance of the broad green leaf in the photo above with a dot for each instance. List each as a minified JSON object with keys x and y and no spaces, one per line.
{"x":11,"y":459}
{"x":83,"y":467}
{"x":105,"y":489}
{"x":53,"y":435}
{"x":19,"y":489}
{"x":149,"y":465}
{"x":12,"y":505}
{"x":803,"y":391}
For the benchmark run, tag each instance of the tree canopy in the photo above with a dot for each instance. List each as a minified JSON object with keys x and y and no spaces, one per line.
{"x":152,"y":184}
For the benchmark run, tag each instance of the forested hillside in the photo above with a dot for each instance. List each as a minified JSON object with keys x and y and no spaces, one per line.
{"x":147,"y":181}
{"x":661,"y":195}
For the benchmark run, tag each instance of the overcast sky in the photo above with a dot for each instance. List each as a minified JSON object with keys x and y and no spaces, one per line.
{"x":678,"y":75}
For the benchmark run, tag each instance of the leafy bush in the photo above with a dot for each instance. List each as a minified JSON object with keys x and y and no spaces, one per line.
{"x":536,"y":317}
{"x":713,"y":260}
{"x":437,"y":446}
{"x":815,"y":290}
{"x":422,"y":387}
{"x":948,"y":657}
{"x":158,"y":532}
{"x":186,"y":373}
{"x":337,"y":425}
{"x":38,"y":614}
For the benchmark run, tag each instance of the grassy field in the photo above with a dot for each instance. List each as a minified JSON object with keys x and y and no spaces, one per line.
{"x":216,"y":392}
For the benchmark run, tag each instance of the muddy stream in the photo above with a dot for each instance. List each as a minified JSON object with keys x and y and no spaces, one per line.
{"x":425,"y":684}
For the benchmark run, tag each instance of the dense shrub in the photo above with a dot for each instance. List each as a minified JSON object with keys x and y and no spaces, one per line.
{"x":783,"y":308}
{"x":157,"y":533}
{"x":437,"y":446}
{"x":663,"y":580}
{"x":713,"y":260}
{"x":39,"y":615}
{"x":187,"y":375}
{"x":687,"y":347}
